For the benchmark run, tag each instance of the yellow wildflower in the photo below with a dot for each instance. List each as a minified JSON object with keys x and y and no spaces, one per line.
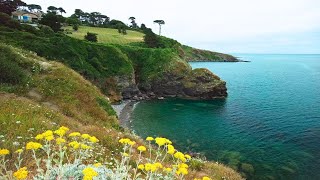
{"x":83,"y":146}
{"x":89,"y":173}
{"x":22,"y":173}
{"x":180,"y":156}
{"x":33,"y":146}
{"x":182,"y":171}
{"x":158,"y":165}
{"x":154,"y":167}
{"x":161,"y":141}
{"x":124,"y":140}
{"x":168,"y":141}
{"x":125,"y":154}
{"x":60,"y":141}
{"x":19,"y":151}
{"x":149,"y":139}
{"x":131,"y":143}
{"x":74,"y":144}
{"x":60,"y":132}
{"x":167,"y":170}
{"x":49,"y":138}
{"x":39,"y":137}
{"x":187,"y":156}
{"x":47,"y":133}
{"x":183,"y":165}
{"x":4,"y":152}
{"x":85,"y":136}
{"x":64,"y":128}
{"x":206,"y":178}
{"x":142,"y":148}
{"x":93,"y":139}
{"x":147,"y":166}
{"x":171,"y":149}
{"x":74,"y":134}
{"x":141,"y":167}
{"x":97,"y":165}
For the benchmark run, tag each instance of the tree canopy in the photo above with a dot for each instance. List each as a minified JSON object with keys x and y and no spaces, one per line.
{"x":8,"y":6}
{"x":160,"y":22}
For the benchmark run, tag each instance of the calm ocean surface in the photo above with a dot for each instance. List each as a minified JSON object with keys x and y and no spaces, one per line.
{"x":270,"y":120}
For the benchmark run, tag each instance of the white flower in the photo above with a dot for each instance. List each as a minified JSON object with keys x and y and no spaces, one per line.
{"x":18,"y":122}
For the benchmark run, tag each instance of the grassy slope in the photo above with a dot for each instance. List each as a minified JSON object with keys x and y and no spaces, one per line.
{"x":55,"y":95}
{"x":111,"y":36}
{"x":107,"y":35}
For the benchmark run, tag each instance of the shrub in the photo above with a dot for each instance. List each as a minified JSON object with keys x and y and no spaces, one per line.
{"x":10,"y":70}
{"x":91,"y":37}
{"x":46,"y":30}
{"x":6,"y":20}
{"x":75,"y":27}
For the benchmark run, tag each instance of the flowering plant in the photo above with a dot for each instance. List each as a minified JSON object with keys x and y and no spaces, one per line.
{"x":59,"y":155}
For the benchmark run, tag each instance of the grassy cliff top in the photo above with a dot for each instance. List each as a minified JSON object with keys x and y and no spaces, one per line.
{"x":107,"y":35}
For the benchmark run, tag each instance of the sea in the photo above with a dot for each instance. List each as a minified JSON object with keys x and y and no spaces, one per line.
{"x":267,"y":128}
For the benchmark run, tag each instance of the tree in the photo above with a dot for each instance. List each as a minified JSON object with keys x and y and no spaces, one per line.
{"x":61,"y":10}
{"x":33,"y":7}
{"x":133,"y":22}
{"x":160,"y":22}
{"x":52,"y":9}
{"x":151,"y":39}
{"x":53,"y":20}
{"x":91,"y":37}
{"x":8,"y":6}
{"x":143,"y":27}
{"x":122,"y":28}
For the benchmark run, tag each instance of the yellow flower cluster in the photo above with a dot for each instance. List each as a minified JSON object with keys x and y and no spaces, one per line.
{"x":153,"y":167}
{"x":77,"y":145}
{"x":74,"y":134}
{"x":162,"y":141}
{"x":61,"y":131}
{"x":60,"y":141}
{"x":22,"y":173}
{"x":33,"y":146}
{"x":142,"y":148}
{"x":127,"y":141}
{"x":48,"y":135}
{"x":19,"y":151}
{"x":89,"y":173}
{"x":181,"y":156}
{"x":4,"y":152}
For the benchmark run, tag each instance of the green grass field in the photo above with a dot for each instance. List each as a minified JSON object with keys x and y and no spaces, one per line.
{"x":107,"y":35}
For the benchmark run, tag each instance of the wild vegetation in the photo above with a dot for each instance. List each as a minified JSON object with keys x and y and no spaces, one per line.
{"x":50,"y":79}
{"x":54,"y":95}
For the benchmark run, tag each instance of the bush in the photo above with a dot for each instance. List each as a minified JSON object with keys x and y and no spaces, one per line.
{"x":46,"y":30}
{"x":6,"y":20}
{"x":10,"y":71}
{"x":91,"y":37}
{"x":75,"y":27}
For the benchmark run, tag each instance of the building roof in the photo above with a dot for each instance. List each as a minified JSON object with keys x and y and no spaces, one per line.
{"x":25,"y":13}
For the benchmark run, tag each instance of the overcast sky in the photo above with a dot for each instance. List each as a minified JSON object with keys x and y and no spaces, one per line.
{"x":230,"y":26}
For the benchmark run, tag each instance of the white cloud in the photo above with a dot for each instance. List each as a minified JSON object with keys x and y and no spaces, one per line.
{"x":204,"y":21}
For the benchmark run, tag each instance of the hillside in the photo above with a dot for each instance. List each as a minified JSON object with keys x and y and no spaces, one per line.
{"x":122,"y":71}
{"x":37,"y":94}
{"x":111,"y":36}
{"x":107,"y":35}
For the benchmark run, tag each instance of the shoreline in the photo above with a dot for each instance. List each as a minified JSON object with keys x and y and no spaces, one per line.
{"x":124,"y":111}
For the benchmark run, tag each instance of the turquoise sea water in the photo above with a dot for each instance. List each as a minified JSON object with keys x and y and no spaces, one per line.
{"x":270,"y":120}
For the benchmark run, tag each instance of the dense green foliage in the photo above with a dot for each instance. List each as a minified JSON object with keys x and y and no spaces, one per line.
{"x":91,"y":37}
{"x":52,"y":20}
{"x":11,"y":68}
